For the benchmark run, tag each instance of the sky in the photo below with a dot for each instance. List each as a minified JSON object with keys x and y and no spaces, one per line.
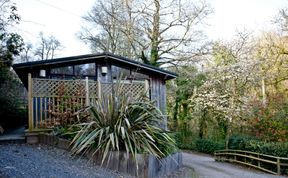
{"x":62,"y":19}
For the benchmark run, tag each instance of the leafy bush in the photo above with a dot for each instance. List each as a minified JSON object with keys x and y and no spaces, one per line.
{"x":270,"y":123}
{"x":67,"y":131}
{"x":13,"y":111}
{"x":208,"y":145}
{"x":184,"y":142}
{"x":237,"y":142}
{"x":121,"y":122}
{"x":272,"y":148}
{"x":256,"y":145}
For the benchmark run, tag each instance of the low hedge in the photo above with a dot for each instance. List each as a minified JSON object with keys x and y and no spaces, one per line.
{"x":208,"y":145}
{"x":256,"y":145}
{"x":236,"y":142}
{"x":183,"y":142}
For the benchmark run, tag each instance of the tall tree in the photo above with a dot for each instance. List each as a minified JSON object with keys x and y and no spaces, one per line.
{"x":25,"y":55}
{"x":155,"y":31}
{"x":10,"y":46}
{"x":10,"y":43}
{"x":47,"y":47}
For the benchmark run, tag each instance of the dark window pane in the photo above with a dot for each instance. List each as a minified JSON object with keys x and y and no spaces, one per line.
{"x":139,"y":76}
{"x":63,"y":70}
{"x":118,"y":71}
{"x":85,"y":69}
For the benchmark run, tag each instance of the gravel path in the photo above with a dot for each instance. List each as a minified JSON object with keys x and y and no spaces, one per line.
{"x":206,"y":167}
{"x":29,"y":161}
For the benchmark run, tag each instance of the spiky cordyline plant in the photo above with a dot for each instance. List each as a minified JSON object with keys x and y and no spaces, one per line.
{"x":120,"y":122}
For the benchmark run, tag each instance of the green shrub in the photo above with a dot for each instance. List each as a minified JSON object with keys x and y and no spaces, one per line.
{"x":13,"y":111}
{"x":121,"y":122}
{"x":271,"y":148}
{"x":184,"y":142}
{"x":237,"y":142}
{"x":255,"y":145}
{"x":67,"y":131}
{"x":208,"y":145}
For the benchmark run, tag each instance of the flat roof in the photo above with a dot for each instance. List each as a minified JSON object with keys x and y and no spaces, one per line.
{"x":93,"y":58}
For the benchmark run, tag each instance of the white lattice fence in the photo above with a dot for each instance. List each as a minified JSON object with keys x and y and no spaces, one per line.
{"x":53,"y":102}
{"x":57,"y":88}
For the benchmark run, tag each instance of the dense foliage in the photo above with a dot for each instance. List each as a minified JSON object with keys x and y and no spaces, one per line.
{"x":121,"y":122}
{"x":249,"y":143}
{"x":242,"y":90}
{"x":12,"y":110}
{"x":208,"y":145}
{"x":10,"y":43}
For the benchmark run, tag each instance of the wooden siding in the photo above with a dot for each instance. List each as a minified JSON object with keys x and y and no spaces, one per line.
{"x":158,"y":95}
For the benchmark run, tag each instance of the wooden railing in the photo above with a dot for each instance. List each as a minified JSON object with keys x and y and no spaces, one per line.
{"x":271,"y":164}
{"x":51,"y":99}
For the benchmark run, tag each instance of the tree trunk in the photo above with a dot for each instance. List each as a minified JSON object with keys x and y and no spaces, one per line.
{"x":202,"y":125}
{"x":175,"y":112}
{"x":155,"y":34}
{"x":263,"y":87}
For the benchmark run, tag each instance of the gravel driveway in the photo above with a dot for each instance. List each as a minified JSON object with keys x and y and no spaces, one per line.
{"x":206,"y":167}
{"x":29,"y":161}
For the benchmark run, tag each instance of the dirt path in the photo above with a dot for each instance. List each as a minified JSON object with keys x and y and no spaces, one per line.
{"x":206,"y":167}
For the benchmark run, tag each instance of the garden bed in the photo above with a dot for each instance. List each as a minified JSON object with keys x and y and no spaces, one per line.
{"x":148,"y":165}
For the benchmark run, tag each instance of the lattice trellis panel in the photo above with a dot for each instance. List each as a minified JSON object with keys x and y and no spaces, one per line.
{"x":133,"y":88}
{"x":93,"y":89}
{"x":57,"y":88}
{"x":55,"y":101}
{"x":129,"y":88}
{"x":106,"y":88}
{"x":62,"y":88}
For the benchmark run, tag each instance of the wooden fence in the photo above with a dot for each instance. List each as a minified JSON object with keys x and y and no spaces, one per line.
{"x":51,"y":99}
{"x":267,"y":163}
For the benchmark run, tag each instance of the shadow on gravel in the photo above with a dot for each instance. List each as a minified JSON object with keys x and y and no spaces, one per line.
{"x":184,"y":172}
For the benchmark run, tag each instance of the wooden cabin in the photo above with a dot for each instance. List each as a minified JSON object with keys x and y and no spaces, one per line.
{"x":84,"y":78}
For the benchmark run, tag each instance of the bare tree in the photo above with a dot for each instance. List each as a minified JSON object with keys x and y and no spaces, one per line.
{"x":26,"y":56}
{"x":156,"y":32}
{"x":282,"y":20}
{"x":47,"y":47}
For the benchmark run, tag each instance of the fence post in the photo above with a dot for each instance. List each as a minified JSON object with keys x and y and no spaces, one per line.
{"x":258,"y":160}
{"x":146,"y":88}
{"x":99,"y":88}
{"x":30,"y":103}
{"x":87,"y":100}
{"x":278,"y":166}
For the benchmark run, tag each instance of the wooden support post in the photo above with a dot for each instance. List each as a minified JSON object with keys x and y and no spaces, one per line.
{"x":87,"y":100}
{"x":258,"y":160}
{"x":278,"y":166}
{"x":30,"y":103}
{"x":146,"y":88}
{"x":99,"y":89}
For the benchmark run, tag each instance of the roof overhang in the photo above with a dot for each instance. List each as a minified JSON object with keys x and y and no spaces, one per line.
{"x":22,"y":69}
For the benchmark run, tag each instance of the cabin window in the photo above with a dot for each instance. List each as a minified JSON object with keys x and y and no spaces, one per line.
{"x":118,"y":72}
{"x":85,"y":70}
{"x":74,"y":72}
{"x":139,"y":76}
